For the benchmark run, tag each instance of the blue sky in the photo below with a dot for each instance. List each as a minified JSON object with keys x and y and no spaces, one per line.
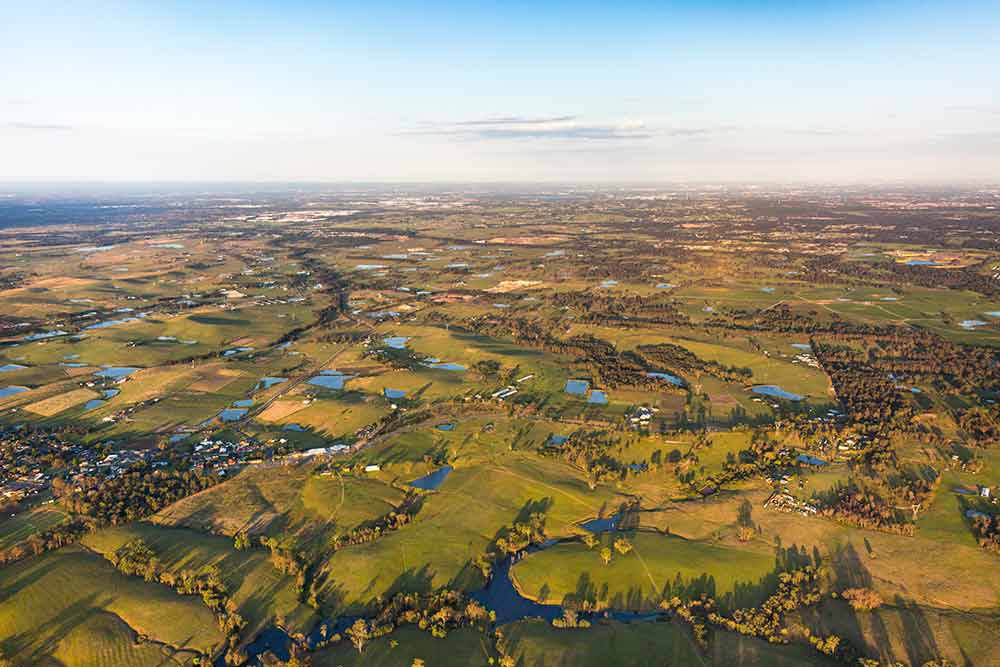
{"x":448,"y":91}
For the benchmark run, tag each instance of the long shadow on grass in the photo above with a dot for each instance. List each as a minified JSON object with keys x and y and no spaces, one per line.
{"x":918,"y":638}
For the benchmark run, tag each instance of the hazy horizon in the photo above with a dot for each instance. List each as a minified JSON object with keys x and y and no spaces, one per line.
{"x":741,"y":92}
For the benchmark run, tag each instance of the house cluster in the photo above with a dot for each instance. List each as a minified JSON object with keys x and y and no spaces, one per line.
{"x":786,"y":502}
{"x":642,"y":417}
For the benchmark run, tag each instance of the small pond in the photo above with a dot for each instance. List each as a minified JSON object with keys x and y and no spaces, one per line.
{"x":432,"y":481}
{"x":116,"y":372}
{"x":776,"y":392}
{"x":329,"y":381}
{"x":445,"y":366}
{"x":268,"y":382}
{"x":598,"y":397}
{"x":11,"y":391}
{"x":672,"y":379}
{"x":396,"y":342}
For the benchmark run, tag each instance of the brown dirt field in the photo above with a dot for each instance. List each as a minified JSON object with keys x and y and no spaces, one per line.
{"x":214,"y":378}
{"x":279,"y":410}
{"x":81,"y":370}
{"x":56,"y":404}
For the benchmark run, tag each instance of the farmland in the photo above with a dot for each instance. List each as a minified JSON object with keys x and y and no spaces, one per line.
{"x":572,"y":429}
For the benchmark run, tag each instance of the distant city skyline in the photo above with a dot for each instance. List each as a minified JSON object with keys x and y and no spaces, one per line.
{"x":737,"y":91}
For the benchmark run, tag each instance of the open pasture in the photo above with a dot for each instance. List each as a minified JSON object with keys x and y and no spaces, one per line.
{"x":72,"y":605}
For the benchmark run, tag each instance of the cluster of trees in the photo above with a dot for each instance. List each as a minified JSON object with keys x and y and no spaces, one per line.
{"x":981,"y":425}
{"x":867,"y":393}
{"x":512,"y":540}
{"x":798,"y":588}
{"x":862,"y":599}
{"x":437,"y":613}
{"x":288,"y":561}
{"x":762,"y":457}
{"x":133,"y":495}
{"x":680,"y":360}
{"x":986,"y":528}
{"x":627,"y":310}
{"x":59,"y":536}
{"x":138,"y":559}
{"x":591,"y":452}
{"x":829,"y":269}
{"x":372,"y":530}
{"x":863,"y":507}
{"x":570,"y":619}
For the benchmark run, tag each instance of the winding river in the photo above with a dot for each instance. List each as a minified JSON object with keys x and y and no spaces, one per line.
{"x":499,"y":595}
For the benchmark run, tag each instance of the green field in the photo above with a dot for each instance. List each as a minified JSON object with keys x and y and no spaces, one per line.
{"x":636,"y":580}
{"x":261,"y":593}
{"x":72,"y":607}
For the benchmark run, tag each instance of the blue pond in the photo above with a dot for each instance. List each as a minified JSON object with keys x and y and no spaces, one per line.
{"x":557,"y":439}
{"x":993,"y":313}
{"x":72,"y":364}
{"x":232,"y":415}
{"x":179,"y":437}
{"x":393,"y":393}
{"x":93,"y":404}
{"x":609,"y":283}
{"x":598,"y":397}
{"x":329,"y":381}
{"x":10,"y":391}
{"x":43,"y":335}
{"x":294,"y":427}
{"x":116,"y":372}
{"x":500,"y":596}
{"x":6,"y":368}
{"x":446,"y":366}
{"x":445,"y":427}
{"x":604,"y":525}
{"x":432,"y":481}
{"x":245,"y":403}
{"x":776,"y":392}
{"x":768,"y":290}
{"x":810,"y":460}
{"x":396,"y":342}
{"x":673,"y":379}
{"x":111,"y":323}
{"x":268,"y":382}
{"x":665,"y":286}
{"x":111,"y":393}
{"x":578,"y":387}
{"x":237,"y":350}
{"x":921,"y":262}
{"x":805,"y":347}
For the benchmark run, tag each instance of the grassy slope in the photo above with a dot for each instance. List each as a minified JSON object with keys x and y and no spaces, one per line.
{"x":637,"y":578}
{"x":74,"y":605}
{"x":458,"y":522}
{"x":259,"y":590}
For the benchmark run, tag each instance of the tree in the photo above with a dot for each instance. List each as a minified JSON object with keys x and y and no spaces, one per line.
{"x":862,"y":599}
{"x":359,"y":634}
{"x":605,"y":555}
{"x":591,"y":540}
{"x":417,"y":662}
{"x":241,"y":541}
{"x":623,"y":546}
